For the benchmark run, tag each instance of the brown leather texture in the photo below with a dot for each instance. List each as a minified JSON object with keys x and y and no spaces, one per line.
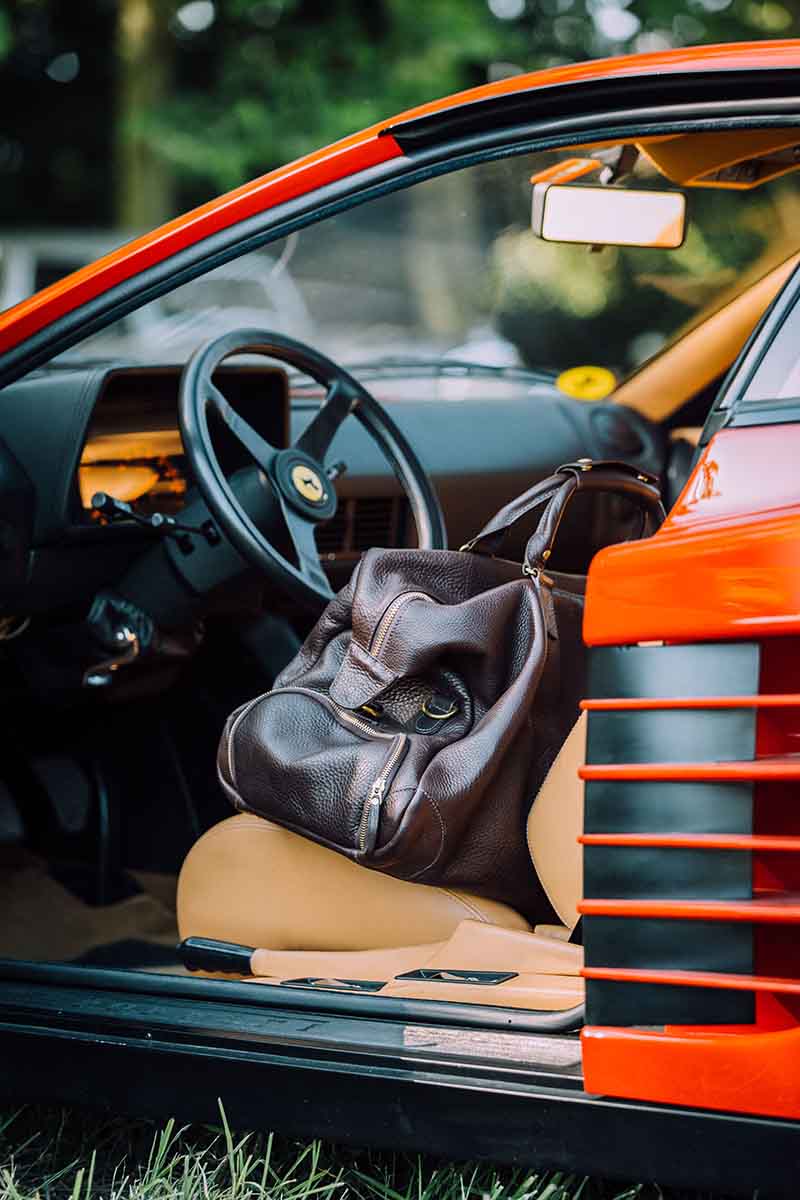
{"x":556,"y":493}
{"x":440,"y":801}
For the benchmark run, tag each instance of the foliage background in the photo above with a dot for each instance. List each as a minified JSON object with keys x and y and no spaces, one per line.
{"x":124,"y":112}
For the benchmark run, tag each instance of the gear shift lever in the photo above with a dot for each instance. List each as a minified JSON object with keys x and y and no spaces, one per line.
{"x":101,"y":674}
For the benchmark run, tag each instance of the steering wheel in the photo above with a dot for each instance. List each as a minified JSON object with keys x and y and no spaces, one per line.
{"x":298,"y":482}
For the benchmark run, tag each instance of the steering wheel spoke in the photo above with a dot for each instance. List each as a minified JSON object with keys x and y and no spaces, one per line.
{"x":301,"y":531}
{"x":316,"y":438}
{"x":260,"y":450}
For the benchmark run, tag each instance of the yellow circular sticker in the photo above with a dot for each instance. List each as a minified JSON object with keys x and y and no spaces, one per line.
{"x":587,"y":383}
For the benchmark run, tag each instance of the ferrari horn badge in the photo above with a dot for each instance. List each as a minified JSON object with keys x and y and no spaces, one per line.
{"x":308,"y":484}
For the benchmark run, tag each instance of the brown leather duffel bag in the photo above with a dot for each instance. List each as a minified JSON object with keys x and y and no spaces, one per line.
{"x":420,"y":717}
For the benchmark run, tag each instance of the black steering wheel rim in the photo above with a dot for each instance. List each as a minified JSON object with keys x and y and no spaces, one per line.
{"x":296,"y":474}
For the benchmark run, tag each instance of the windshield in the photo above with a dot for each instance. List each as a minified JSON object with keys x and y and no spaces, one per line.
{"x":450,"y":268}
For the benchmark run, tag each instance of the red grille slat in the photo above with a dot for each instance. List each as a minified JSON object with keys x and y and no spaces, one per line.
{"x":783,"y":909}
{"x":765,"y":769}
{"x":706,"y":979}
{"x":695,"y":841}
{"x":646,"y":703}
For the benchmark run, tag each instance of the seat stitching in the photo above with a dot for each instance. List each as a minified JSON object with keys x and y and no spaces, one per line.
{"x":471,"y":908}
{"x":438,"y":854}
{"x":223,"y":827}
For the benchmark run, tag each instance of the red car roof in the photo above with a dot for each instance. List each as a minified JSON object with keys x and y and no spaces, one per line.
{"x":368,"y":148}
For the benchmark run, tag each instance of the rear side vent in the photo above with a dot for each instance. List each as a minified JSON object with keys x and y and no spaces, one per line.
{"x":658,"y":764}
{"x":692,"y":874}
{"x":360,"y":523}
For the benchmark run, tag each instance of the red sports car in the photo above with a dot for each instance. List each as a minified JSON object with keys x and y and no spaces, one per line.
{"x":595,"y":261}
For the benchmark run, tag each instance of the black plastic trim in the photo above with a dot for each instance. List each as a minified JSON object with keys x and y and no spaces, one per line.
{"x":696,"y":670}
{"x":584,"y":97}
{"x":208,"y":954}
{"x":617,"y":1003}
{"x":449,"y":975}
{"x":731,"y":408}
{"x":778,"y":412}
{"x":429,"y":1012}
{"x":666,"y":873}
{"x":659,"y":806}
{"x":671,"y":735}
{"x":328,"y":983}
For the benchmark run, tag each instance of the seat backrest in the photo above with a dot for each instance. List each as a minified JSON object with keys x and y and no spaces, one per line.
{"x":555,"y":823}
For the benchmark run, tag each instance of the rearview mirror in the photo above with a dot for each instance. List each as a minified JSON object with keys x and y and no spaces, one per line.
{"x":608,"y":216}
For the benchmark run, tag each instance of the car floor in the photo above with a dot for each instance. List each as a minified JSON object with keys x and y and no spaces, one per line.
{"x":46,"y":920}
{"x":97,"y":812}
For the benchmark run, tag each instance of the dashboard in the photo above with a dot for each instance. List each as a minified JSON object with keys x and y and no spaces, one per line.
{"x":70,"y":430}
{"x":133,"y":449}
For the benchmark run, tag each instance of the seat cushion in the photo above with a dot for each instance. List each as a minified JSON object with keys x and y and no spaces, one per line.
{"x":555,"y":823}
{"x":249,"y":881}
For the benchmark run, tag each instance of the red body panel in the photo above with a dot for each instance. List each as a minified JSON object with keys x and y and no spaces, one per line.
{"x":740,"y":1072}
{"x":348,"y":157}
{"x":725,"y":563}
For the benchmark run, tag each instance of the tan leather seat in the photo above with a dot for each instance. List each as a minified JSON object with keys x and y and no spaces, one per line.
{"x":249,"y":881}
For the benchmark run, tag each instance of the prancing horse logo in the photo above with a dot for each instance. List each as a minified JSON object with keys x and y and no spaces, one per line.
{"x":308,"y":484}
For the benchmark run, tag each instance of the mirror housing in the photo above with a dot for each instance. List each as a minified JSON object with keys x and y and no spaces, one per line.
{"x":608,"y":216}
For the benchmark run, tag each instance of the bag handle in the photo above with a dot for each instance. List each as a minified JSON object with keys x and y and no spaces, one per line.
{"x":556,"y":492}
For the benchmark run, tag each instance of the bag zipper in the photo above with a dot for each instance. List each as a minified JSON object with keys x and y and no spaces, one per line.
{"x":371,"y":813}
{"x":381,"y":631}
{"x":343,"y":714}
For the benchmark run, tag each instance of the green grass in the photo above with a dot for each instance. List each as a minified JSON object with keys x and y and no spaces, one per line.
{"x":67,"y":1154}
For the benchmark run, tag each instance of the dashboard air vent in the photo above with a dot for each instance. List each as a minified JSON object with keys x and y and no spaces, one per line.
{"x":360,"y":523}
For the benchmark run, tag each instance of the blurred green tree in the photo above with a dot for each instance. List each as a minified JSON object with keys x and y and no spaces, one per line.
{"x":144,"y":52}
{"x":171,"y":100}
{"x":263,"y":81}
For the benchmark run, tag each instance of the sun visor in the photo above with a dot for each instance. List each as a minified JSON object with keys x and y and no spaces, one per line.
{"x":739,"y":160}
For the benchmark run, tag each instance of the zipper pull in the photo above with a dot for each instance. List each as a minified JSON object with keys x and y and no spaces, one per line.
{"x":374,"y":803}
{"x":377,"y":790}
{"x":372,"y":711}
